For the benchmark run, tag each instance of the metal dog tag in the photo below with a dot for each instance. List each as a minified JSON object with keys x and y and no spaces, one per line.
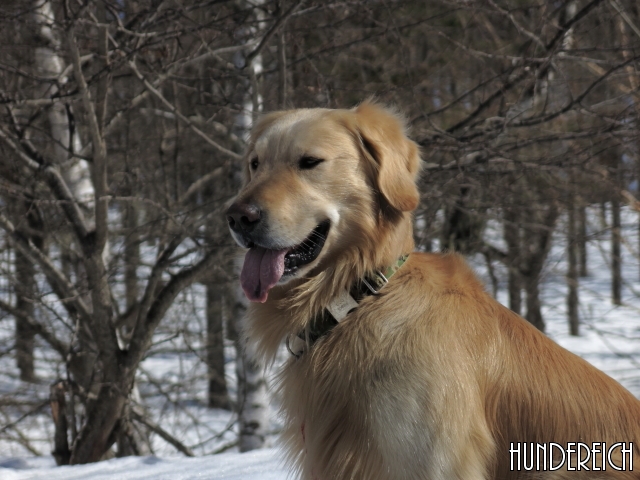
{"x":341,"y":305}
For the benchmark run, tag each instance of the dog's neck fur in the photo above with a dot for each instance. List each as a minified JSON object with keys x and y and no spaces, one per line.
{"x":290,"y":308}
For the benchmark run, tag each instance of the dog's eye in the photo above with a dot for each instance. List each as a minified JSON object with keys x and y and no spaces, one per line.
{"x":254,"y":164}
{"x":307,"y":163}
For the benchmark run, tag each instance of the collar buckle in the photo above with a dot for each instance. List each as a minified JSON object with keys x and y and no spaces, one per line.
{"x":339,"y":307}
{"x":295,"y":347}
{"x":380,"y":281}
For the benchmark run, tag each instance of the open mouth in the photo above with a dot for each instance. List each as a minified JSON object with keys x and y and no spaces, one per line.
{"x":263,"y":267}
{"x":307,"y":251}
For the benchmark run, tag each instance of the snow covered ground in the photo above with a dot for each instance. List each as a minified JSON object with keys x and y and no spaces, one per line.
{"x":257,"y":465}
{"x":609,"y":339}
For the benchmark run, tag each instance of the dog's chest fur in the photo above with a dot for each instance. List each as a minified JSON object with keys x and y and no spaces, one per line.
{"x":351,"y":404}
{"x":331,"y":402}
{"x":370,"y":399}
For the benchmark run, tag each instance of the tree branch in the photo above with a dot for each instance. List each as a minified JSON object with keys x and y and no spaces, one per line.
{"x":620,"y":9}
{"x":512,"y":83}
{"x":143,"y":332}
{"x":201,"y":182}
{"x":274,"y":28}
{"x":166,"y":436}
{"x":516,"y":24}
{"x":156,"y":93}
{"x":64,"y":289}
{"x":576,"y":101}
{"x":49,"y":337}
{"x":54,"y":180}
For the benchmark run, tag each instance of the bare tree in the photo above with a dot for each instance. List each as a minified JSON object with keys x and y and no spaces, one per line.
{"x":572,"y":271}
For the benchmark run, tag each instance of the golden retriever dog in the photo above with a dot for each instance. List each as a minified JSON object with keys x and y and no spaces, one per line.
{"x":421,"y":374}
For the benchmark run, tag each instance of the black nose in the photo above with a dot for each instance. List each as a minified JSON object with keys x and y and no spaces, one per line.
{"x":243,"y":217}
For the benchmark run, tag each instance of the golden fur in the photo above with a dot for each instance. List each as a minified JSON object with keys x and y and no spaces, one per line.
{"x":432,"y":379}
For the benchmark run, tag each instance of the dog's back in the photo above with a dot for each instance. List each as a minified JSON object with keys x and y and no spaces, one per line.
{"x":534,"y":391}
{"x":544,"y":393}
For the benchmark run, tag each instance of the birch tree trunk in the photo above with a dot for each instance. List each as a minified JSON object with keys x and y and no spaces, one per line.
{"x":49,"y":63}
{"x":252,"y":388}
{"x":252,"y":402}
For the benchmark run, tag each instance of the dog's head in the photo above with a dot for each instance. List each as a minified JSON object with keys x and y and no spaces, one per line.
{"x":318,"y":182}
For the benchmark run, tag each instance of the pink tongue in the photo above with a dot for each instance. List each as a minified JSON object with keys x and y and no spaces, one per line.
{"x":261,"y":271}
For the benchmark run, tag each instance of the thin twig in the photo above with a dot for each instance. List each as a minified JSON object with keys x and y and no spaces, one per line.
{"x":181,"y":447}
{"x":516,"y":24}
{"x":625,"y":17}
{"x":274,"y":28}
{"x":64,"y":289}
{"x":53,"y":178}
{"x":201,"y":182}
{"x":35,"y":409}
{"x":155,"y":92}
{"x":48,"y":336}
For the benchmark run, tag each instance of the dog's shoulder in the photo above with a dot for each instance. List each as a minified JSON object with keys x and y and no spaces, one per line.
{"x":441,"y":274}
{"x":427,"y":285}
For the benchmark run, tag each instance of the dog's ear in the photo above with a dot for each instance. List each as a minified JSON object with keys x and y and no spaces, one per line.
{"x":383,"y":138}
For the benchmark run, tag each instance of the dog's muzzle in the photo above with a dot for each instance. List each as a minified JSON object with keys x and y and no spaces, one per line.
{"x":267,"y":262}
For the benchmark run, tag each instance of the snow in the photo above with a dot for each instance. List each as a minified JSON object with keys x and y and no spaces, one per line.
{"x":256,"y":465}
{"x":609,"y":339}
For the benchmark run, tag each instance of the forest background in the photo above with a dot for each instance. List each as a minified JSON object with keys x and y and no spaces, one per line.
{"x":122,"y":126}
